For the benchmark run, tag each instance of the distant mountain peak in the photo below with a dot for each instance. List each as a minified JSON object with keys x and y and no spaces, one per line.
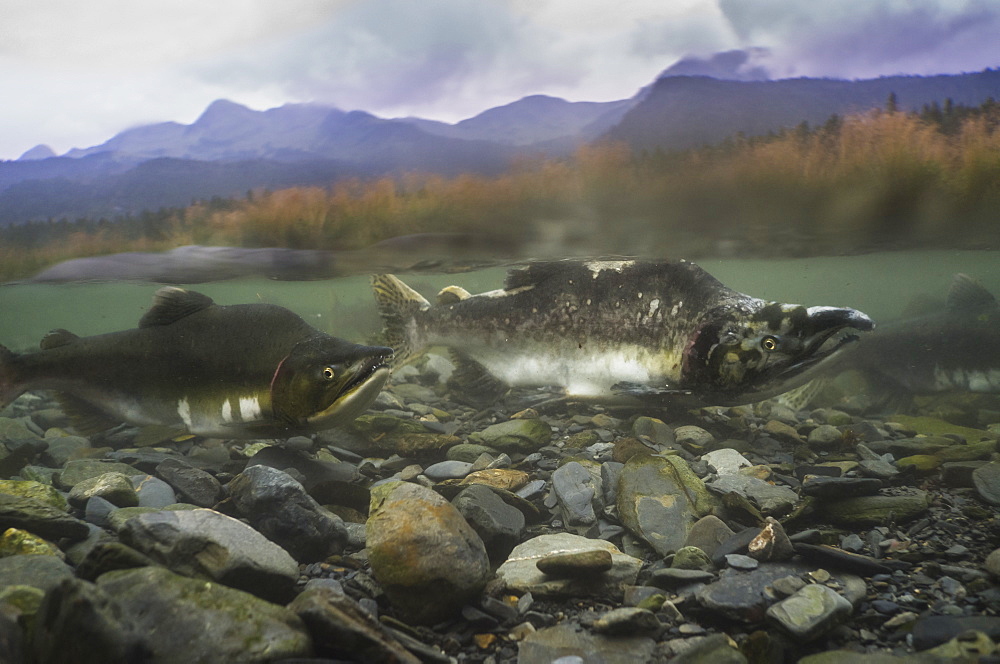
{"x":735,"y":65}
{"x":223,"y":110}
{"x":36,"y":153}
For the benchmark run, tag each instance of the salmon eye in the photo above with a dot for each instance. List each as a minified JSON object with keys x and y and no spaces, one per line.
{"x":329,"y":373}
{"x":769,"y":343}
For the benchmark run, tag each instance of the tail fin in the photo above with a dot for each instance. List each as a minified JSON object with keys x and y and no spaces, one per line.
{"x":398,"y":304}
{"x":8,"y":386}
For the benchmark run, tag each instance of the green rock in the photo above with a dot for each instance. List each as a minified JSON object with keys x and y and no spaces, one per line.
{"x":40,"y":474}
{"x":373,"y":425}
{"x":116,"y":488}
{"x":973,"y":646}
{"x":582,"y":439}
{"x":36,"y":490}
{"x":167,"y":617}
{"x":655,"y":430}
{"x":39,"y":518}
{"x":15,"y":542}
{"x":659,"y":498}
{"x":923,"y":463}
{"x":79,"y":470}
{"x":518,"y":436}
{"x":23,"y":601}
{"x":469,"y":452}
{"x":875,"y":510}
{"x":970,"y":452}
{"x":11,"y":429}
{"x":691,"y":557}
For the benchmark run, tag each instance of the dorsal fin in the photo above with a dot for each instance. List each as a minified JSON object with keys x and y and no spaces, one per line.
{"x":452,"y":294}
{"x":968,"y":296}
{"x":57,"y":338}
{"x":170,"y":304}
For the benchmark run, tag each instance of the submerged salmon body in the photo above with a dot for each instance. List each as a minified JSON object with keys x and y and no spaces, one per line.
{"x":609,"y":328}
{"x":240,"y":371}
{"x":954,"y":349}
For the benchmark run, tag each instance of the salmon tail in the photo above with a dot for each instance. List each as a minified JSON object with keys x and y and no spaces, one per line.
{"x":398,"y":304}
{"x":9,"y":388}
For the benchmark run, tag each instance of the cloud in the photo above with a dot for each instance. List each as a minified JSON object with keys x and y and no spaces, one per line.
{"x":867,"y":38}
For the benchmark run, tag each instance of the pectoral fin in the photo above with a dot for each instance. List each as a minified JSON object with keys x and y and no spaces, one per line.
{"x":86,"y":418}
{"x":472,"y":384}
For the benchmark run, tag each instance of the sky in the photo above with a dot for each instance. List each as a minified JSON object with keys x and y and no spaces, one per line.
{"x":73,"y":74}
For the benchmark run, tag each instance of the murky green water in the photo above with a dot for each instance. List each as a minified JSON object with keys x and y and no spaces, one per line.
{"x":880,"y":284}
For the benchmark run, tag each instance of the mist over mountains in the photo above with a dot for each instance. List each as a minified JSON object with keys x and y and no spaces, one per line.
{"x":231,"y":149}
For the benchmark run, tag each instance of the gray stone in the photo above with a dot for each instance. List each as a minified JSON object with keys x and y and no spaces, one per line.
{"x":342,"y":629}
{"x":579,"y":495}
{"x":875,"y":510}
{"x":205,"y":544}
{"x":576,"y":564}
{"x":520,"y":572}
{"x":825,"y":436}
{"x":655,"y":430}
{"x":772,"y":544}
{"x":411,"y":531}
{"x":986,"y":480}
{"x":498,"y":524}
{"x":116,"y":488}
{"x":468,"y":452}
{"x":712,"y":649}
{"x":44,"y":572}
{"x":152,"y":491}
{"x":726,"y":461}
{"x":627,"y":621}
{"x":770,"y":498}
{"x":193,"y":485}
{"x":659,"y":498}
{"x":61,"y":448}
{"x":568,"y":641}
{"x":98,"y":511}
{"x":708,"y":533}
{"x":810,"y":612}
{"x":448,"y":470}
{"x":280,"y":509}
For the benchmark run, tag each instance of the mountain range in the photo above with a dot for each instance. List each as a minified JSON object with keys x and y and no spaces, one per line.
{"x":231,"y":149}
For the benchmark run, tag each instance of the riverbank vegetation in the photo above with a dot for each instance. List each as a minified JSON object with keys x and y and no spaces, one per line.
{"x":879,"y":180}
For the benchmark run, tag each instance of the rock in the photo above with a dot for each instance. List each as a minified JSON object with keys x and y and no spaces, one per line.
{"x":35,"y":490}
{"x":117,"y":518}
{"x":152,"y":491}
{"x":410,"y":531}
{"x":659,"y":498}
{"x":770,"y":498}
{"x":79,"y":470}
{"x":713,"y":649}
{"x":280,"y":509}
{"x":108,"y":557}
{"x":726,"y":461}
{"x":448,"y":470}
{"x":930,"y":631}
{"x":16,"y":542}
{"x":341,"y":629}
{"x":576,"y":564}
{"x":394,"y":435}
{"x":707,"y":533}
{"x":498,"y":524}
{"x":469,"y":452}
{"x":515,"y":436}
{"x":61,"y":449}
{"x":772,"y":544}
{"x":579,"y":495}
{"x":193,"y":485}
{"x":164,"y":617}
{"x":39,"y":518}
{"x":327,"y":481}
{"x":986,"y":480}
{"x":507,"y":479}
{"x":627,"y":621}
{"x":825,"y":437}
{"x":743,"y":596}
{"x":992,"y":563}
{"x":568,"y":643}
{"x":116,"y":488}
{"x":204,"y":544}
{"x":781,"y":431}
{"x":672,"y":578}
{"x":521,"y":574}
{"x":693,"y":558}
{"x":840,"y":487}
{"x":656,"y":431}
{"x":44,"y":572}
{"x":966,"y":647}
{"x":810,"y":612}
{"x":865,"y":511}
{"x":693,"y":438}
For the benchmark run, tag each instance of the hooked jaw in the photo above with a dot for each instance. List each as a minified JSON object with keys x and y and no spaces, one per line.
{"x":369,"y":377}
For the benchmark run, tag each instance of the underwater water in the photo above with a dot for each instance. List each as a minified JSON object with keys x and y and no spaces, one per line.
{"x":880,"y":284}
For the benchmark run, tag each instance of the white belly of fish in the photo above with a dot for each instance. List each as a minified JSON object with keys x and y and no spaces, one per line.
{"x":579,"y":372}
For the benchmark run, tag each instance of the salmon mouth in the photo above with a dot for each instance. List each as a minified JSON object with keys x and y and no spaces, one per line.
{"x":367,"y":368}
